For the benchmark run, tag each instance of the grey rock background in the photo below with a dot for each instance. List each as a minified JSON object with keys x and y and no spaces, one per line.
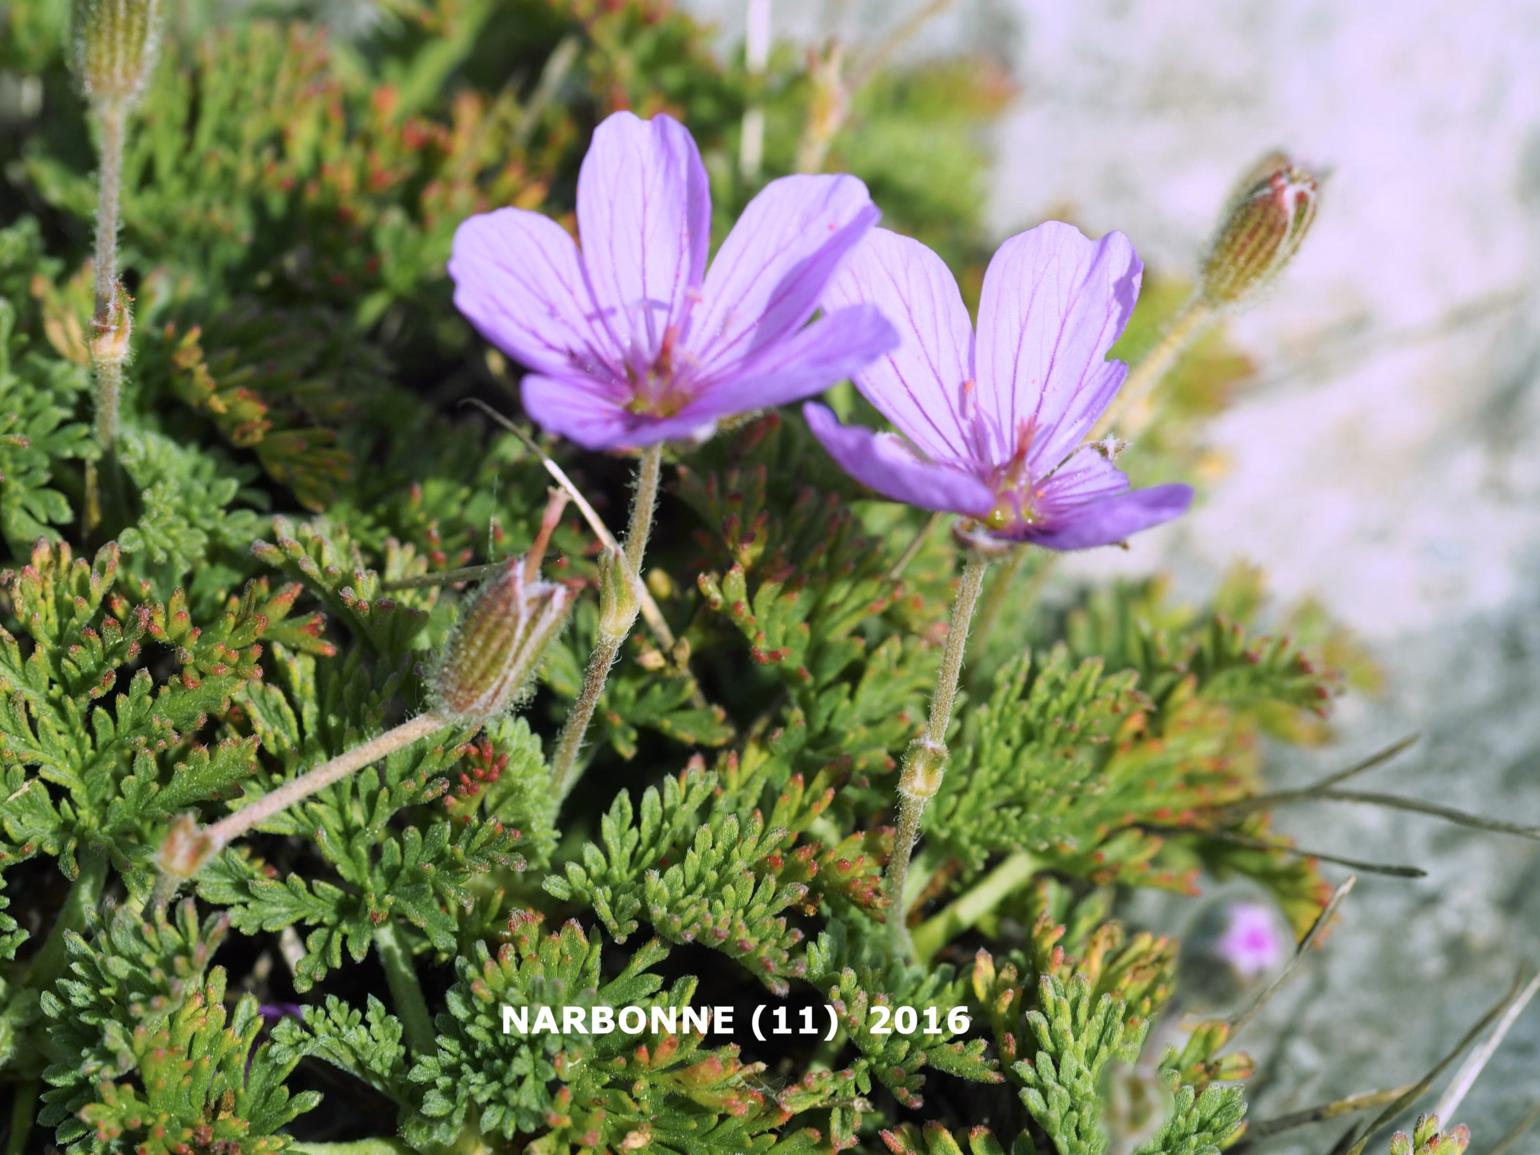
{"x":1387,"y":461}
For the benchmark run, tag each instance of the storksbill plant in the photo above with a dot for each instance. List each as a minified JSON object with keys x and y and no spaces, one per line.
{"x":370,"y":806}
{"x":992,"y":427}
{"x":631,"y":340}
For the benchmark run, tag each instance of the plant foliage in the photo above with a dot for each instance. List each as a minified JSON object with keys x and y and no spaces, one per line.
{"x":296,"y":455}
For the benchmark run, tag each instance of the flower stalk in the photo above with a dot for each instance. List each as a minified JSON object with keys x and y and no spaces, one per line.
{"x":115,"y":53}
{"x":84,"y":895}
{"x":188,"y":846}
{"x":484,"y":671}
{"x":619,"y":588}
{"x":1261,"y":228}
{"x":965,"y":911}
{"x":1134,"y":407}
{"x":925,"y":761}
{"x":405,"y":991}
{"x":23,"y":1110}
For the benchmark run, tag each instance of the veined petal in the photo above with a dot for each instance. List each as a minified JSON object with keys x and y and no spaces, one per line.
{"x":819,"y":355}
{"x":573,"y":410}
{"x":919,"y":386}
{"x":1053,"y":303}
{"x":883,"y":462}
{"x":576,"y":410}
{"x":1085,"y":476}
{"x":1110,"y":519}
{"x":518,"y":280}
{"x":767,"y":278}
{"x":644,"y":221}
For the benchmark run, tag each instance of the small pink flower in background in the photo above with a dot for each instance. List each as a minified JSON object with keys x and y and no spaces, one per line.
{"x":1251,"y":943}
{"x":630,"y":340}
{"x":992,"y":423}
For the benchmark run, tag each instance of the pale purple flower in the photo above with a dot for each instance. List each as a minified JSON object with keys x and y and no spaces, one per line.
{"x":1251,"y":943}
{"x":630,"y":340}
{"x":992,"y":425}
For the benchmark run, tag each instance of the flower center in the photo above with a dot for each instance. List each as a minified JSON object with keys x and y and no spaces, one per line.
{"x":1016,"y":490}
{"x":659,"y":389}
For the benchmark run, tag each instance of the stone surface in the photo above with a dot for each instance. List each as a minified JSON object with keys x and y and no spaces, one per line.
{"x":1386,"y":461}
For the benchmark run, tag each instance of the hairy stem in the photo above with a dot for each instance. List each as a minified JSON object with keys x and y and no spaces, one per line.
{"x":405,"y":991}
{"x":1132,"y":410}
{"x":111,"y":118}
{"x":570,"y":744}
{"x":607,"y":648}
{"x":111,"y":319}
{"x":994,"y":597}
{"x":84,"y":895}
{"x":227,"y":829}
{"x":353,"y":1147}
{"x":651,"y":614}
{"x":649,"y":474}
{"x":968,"y":908}
{"x":925,"y":760}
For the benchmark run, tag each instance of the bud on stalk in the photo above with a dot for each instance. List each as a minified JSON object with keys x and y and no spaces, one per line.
{"x":115,"y":48}
{"x":497,"y":646}
{"x":1263,"y":226}
{"x":492,"y":656}
{"x":487,"y":665}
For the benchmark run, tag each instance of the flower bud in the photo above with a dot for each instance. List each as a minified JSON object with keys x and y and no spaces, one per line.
{"x":618,"y":601}
{"x":115,"y":44}
{"x":1263,"y":226}
{"x":494,"y":651}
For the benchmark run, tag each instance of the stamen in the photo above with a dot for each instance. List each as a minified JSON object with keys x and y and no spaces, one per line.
{"x":661,"y":388}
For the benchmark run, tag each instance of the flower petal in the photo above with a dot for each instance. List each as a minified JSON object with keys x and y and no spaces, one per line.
{"x":767,"y":278}
{"x":1110,"y":519}
{"x":575,"y":410}
{"x":919,"y":385}
{"x":644,"y":221}
{"x":883,"y":462}
{"x":1053,"y":303}
{"x":518,"y":280}
{"x":821,"y":354}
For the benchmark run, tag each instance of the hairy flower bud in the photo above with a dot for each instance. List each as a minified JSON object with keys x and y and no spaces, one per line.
{"x":618,"y":601}
{"x":115,"y":43}
{"x":494,"y":651}
{"x":1263,"y":226}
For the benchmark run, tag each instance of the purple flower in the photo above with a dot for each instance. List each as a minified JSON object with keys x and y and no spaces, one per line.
{"x":631,"y":341}
{"x":992,"y":425}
